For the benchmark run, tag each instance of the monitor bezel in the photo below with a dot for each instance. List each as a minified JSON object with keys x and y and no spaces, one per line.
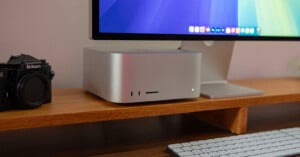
{"x":97,"y":35}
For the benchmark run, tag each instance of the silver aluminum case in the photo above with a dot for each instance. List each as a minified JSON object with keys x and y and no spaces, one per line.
{"x":142,"y":76}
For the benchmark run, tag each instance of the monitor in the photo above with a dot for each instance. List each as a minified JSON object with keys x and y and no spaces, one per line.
{"x":195,"y":22}
{"x":196,"y":19}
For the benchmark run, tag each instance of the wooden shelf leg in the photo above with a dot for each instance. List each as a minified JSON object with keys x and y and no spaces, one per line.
{"x":234,"y":120}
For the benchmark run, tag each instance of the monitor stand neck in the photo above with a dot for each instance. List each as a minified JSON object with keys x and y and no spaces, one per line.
{"x":215,"y":67}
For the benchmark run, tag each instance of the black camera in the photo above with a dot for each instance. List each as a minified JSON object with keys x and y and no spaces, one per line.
{"x":25,"y":83}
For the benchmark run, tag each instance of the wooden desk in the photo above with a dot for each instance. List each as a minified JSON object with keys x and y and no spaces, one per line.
{"x":74,"y":106}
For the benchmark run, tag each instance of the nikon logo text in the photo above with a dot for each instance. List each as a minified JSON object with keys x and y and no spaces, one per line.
{"x":31,"y":66}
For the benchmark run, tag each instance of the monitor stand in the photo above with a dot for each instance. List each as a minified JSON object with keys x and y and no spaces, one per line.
{"x":215,"y":66}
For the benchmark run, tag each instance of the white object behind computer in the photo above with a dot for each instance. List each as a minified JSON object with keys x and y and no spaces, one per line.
{"x":216,"y":58}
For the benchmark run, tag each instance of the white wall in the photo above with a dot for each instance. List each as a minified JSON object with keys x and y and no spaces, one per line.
{"x":265,"y":59}
{"x":57,"y":30}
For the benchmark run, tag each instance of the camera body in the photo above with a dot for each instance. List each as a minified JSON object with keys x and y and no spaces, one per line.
{"x":25,"y":83}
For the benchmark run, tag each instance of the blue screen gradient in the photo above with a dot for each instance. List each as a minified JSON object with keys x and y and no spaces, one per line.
{"x":210,"y":17}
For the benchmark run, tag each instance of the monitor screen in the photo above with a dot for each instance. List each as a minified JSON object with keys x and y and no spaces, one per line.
{"x":196,"y":19}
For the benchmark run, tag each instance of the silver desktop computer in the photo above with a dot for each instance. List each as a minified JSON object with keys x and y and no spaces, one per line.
{"x":142,"y":76}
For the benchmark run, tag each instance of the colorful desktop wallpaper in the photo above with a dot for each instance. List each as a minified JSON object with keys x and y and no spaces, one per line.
{"x":209,"y":17}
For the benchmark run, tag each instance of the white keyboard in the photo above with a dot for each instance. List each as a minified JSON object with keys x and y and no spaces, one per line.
{"x":285,"y":142}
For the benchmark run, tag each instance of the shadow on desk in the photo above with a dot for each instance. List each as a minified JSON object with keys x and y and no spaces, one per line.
{"x":105,"y":137}
{"x":274,"y":117}
{"x":136,"y":137}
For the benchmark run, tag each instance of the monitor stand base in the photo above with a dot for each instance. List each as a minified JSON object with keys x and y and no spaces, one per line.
{"x":227,"y":90}
{"x":216,"y":58}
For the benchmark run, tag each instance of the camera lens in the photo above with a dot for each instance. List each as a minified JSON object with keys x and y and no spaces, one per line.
{"x":33,"y":90}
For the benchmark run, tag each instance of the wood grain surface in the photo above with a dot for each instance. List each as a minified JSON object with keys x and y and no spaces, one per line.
{"x":75,"y":106}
